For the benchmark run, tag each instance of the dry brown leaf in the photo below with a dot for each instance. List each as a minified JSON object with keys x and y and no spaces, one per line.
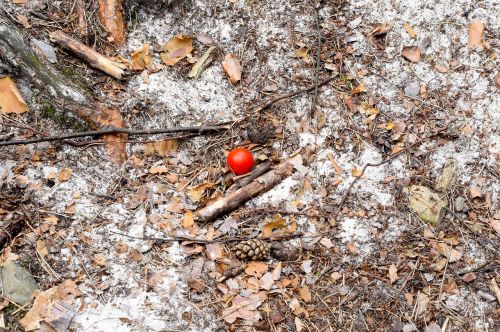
{"x":495,"y":224}
{"x":197,"y":193}
{"x":158,"y":169}
{"x":267,"y":281}
{"x":214,"y":251}
{"x":442,"y":69}
{"x":100,"y":260}
{"x":326,"y":242}
{"x":177,"y":49}
{"x":19,"y":2}
{"x":53,"y":307}
{"x":268,"y":228}
{"x":65,"y":174}
{"x":336,"y":276}
{"x":244,"y":308}
{"x":359,"y":89}
{"x":305,"y":294}
{"x":51,"y":220}
{"x":256,"y":269}
{"x":338,"y":169}
{"x":188,"y":220}
{"x":393,"y":273}
{"x":232,"y":68}
{"x":450,"y":253}
{"x":357,"y":172}
{"x":11,"y":100}
{"x":476,"y":30}
{"x":24,"y":21}
{"x":475,"y":192}
{"x":141,"y":58}
{"x":380,"y":30}
{"x":497,"y":79}
{"x":302,"y":53}
{"x":411,"y":53}
{"x":163,"y":148}
{"x":409,"y":30}
{"x":41,"y":248}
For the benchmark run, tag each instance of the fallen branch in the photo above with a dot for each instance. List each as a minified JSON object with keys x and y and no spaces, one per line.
{"x":217,"y":240}
{"x":230,"y":202}
{"x":200,"y":130}
{"x":240,"y":181}
{"x":87,"y":54}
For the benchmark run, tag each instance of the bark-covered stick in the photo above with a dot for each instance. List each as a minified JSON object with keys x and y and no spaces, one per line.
{"x":232,"y":201}
{"x":87,"y":54}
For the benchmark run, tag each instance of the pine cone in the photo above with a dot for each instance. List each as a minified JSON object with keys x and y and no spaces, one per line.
{"x":252,"y":249}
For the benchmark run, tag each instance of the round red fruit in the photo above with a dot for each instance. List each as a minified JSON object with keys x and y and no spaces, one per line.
{"x":240,"y":161}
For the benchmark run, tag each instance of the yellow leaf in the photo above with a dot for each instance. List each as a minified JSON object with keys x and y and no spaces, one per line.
{"x":302,"y":53}
{"x":305,"y":294}
{"x":177,"y":49}
{"x":409,"y":30}
{"x":278,"y":222}
{"x":141,"y":58}
{"x":232,"y":68}
{"x":357,"y":172}
{"x":359,"y":89}
{"x":11,"y":100}
{"x":196,"y":193}
{"x":188,"y":220}
{"x":65,"y":174}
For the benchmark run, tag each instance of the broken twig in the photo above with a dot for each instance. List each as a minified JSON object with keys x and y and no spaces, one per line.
{"x":87,"y":54}
{"x":230,"y":202}
{"x":199,"y":130}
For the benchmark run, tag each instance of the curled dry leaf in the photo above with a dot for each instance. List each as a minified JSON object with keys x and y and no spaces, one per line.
{"x":475,"y":37}
{"x":54,"y":307}
{"x":177,"y":49}
{"x":357,"y":172}
{"x":141,"y":58}
{"x":305,"y":294}
{"x":359,"y":89}
{"x":65,"y":174}
{"x":244,"y":308}
{"x":11,"y":100}
{"x":411,"y":53}
{"x":447,"y":251}
{"x":393,"y":273}
{"x":380,"y":30}
{"x":475,"y":192}
{"x":277,"y":223}
{"x":232,"y":68}
{"x":256,"y":269}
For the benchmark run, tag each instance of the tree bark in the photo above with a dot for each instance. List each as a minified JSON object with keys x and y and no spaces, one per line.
{"x":66,"y":95}
{"x":232,"y":201}
{"x":63,"y":94}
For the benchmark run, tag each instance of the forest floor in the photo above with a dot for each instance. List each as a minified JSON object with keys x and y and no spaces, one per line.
{"x":366,"y":262}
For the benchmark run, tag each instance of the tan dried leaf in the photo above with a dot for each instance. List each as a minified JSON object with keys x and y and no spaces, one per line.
{"x":450,"y":253}
{"x":188,"y":220}
{"x":158,"y":169}
{"x":380,"y":30}
{"x":411,"y":53}
{"x":141,"y":58}
{"x":256,"y":269}
{"x":336,"y":166}
{"x":214,"y":251}
{"x":65,"y":174}
{"x":302,"y":53}
{"x":305,"y":294}
{"x":475,"y":192}
{"x":277,"y":223}
{"x":359,"y":89}
{"x":197,"y":193}
{"x":232,"y":68}
{"x":357,"y":172}
{"x":100,"y":260}
{"x":393,"y":273}
{"x":177,"y":49}
{"x":11,"y":100}
{"x":24,"y":21}
{"x":326,"y":242}
{"x":476,"y":29}
{"x":41,"y":248}
{"x":244,"y":308}
{"x":409,"y":30}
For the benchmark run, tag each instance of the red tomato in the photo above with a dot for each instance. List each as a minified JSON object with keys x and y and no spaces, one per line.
{"x":240,"y":161}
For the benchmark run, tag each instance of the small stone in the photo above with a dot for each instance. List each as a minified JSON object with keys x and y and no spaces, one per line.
{"x":412,"y":89}
{"x":354,"y":23}
{"x":461,"y":204}
{"x":18,"y":284}
{"x":487,"y":296}
{"x":409,"y":328}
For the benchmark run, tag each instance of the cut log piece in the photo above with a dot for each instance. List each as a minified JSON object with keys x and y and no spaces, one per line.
{"x":111,"y":16}
{"x":87,"y":54}
{"x":233,"y":200}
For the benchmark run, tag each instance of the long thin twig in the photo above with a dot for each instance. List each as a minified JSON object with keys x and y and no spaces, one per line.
{"x":200,"y":130}
{"x":218,"y":240}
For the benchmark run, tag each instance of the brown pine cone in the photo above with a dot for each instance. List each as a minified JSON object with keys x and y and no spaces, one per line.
{"x":252,"y":250}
